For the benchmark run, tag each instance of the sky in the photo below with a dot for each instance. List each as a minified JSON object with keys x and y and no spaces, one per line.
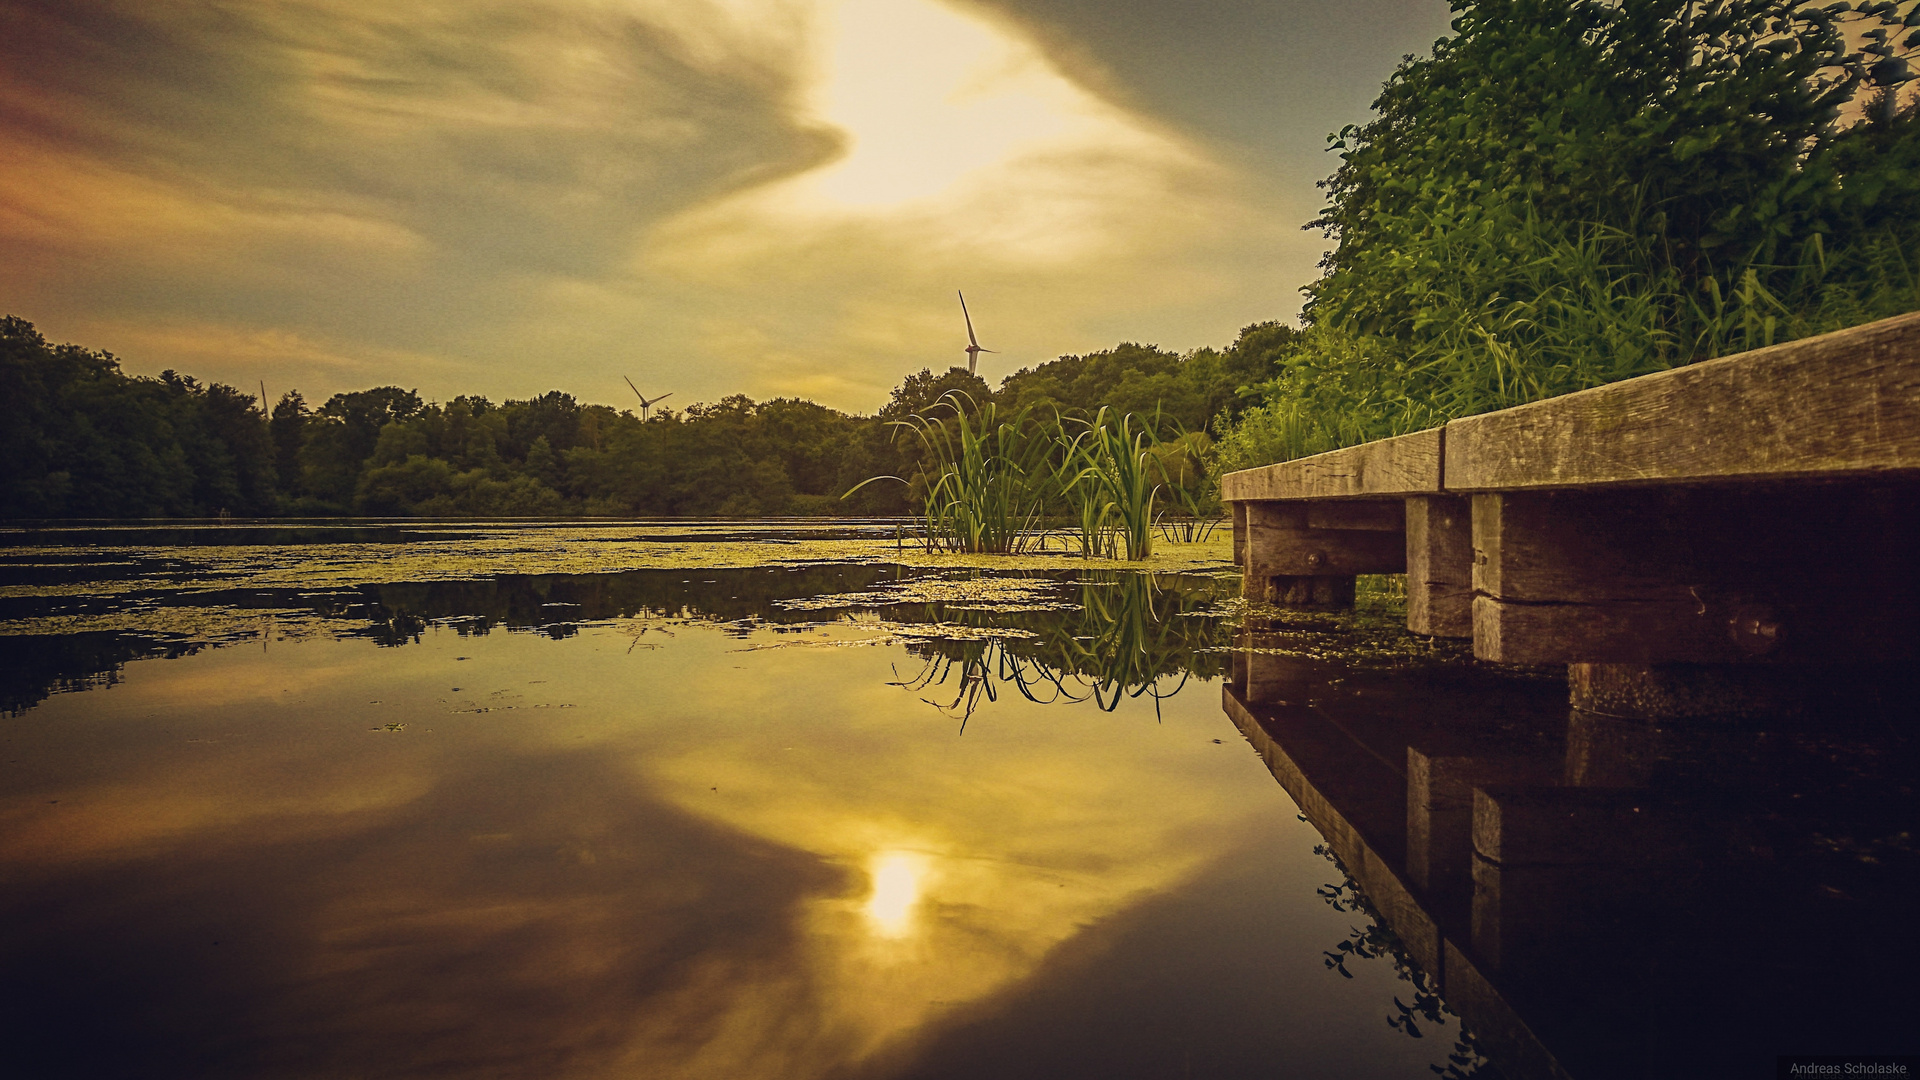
{"x":769,"y":197}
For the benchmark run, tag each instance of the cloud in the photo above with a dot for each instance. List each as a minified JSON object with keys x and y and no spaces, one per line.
{"x":972,"y":162}
{"x":760,"y":196}
{"x":354,"y":170}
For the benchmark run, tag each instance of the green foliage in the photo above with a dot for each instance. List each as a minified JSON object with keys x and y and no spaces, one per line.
{"x":1571,"y":192}
{"x":1180,"y":467}
{"x":84,"y":440}
{"x":923,"y":391}
{"x":993,"y":485}
{"x":983,"y":484}
{"x":92,"y":441}
{"x":1184,"y":393}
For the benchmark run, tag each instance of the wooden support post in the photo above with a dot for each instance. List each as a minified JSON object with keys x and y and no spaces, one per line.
{"x":1695,"y":575}
{"x":1612,"y":752}
{"x":1307,"y":555}
{"x":1440,"y":565}
{"x":1240,"y":535}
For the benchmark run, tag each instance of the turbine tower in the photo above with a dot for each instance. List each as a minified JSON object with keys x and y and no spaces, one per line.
{"x":645,"y":404}
{"x":973,"y":343}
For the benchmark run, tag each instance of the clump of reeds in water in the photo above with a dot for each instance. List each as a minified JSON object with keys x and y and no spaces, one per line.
{"x":997,"y":485}
{"x":983,"y":484}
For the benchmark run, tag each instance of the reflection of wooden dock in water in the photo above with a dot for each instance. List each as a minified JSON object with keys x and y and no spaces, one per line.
{"x":1586,"y":900}
{"x":1758,"y":508}
{"x":1713,"y":552}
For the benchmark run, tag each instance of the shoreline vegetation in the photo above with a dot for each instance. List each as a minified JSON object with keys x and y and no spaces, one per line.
{"x":1564,"y":193}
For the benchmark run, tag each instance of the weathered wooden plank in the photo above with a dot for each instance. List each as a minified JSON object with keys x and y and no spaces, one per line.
{"x":1339,"y":789}
{"x":1837,"y":405}
{"x":1240,"y":535}
{"x":1376,"y":515}
{"x":1439,"y":566}
{"x":1403,"y":914}
{"x":1819,"y":573}
{"x":1405,"y":465}
{"x":1281,"y":542}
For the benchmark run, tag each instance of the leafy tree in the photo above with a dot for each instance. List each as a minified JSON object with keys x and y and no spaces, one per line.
{"x":85,"y":440}
{"x":173,"y":446}
{"x":288,"y":430}
{"x":921,"y":391}
{"x":1569,"y":192}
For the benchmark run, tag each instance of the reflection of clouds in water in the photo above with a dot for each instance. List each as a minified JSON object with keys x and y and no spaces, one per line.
{"x":779,"y":873}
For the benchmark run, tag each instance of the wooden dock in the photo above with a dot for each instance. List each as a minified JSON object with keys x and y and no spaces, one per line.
{"x":1759,"y":510}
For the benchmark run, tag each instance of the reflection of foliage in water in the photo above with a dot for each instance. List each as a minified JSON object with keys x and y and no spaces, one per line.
{"x":34,"y":666}
{"x":1374,"y":941}
{"x":1130,"y":635}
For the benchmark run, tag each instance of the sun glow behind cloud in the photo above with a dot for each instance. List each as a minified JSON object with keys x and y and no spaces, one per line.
{"x":960,"y":138}
{"x":970,"y":161}
{"x":926,"y":97}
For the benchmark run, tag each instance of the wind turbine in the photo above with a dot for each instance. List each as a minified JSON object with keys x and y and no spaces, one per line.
{"x":973,"y":343}
{"x":644,"y":403}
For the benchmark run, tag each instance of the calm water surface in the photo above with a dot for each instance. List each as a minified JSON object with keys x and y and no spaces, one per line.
{"x":831,"y":820}
{"x":792,"y":802}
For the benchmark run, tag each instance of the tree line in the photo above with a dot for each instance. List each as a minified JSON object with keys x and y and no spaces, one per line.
{"x":85,"y":439}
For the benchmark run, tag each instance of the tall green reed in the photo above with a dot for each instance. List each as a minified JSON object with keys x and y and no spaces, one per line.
{"x":1117,"y":472}
{"x":984,"y":479}
{"x":994,"y":484}
{"x":1090,"y":514}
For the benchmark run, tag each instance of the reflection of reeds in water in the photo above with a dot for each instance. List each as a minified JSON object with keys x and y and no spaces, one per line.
{"x":1132,"y":635}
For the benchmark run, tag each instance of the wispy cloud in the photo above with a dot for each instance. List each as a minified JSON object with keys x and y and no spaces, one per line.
{"x":760,"y":196}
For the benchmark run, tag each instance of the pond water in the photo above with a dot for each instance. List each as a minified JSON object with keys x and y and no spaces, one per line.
{"x":714,"y":801}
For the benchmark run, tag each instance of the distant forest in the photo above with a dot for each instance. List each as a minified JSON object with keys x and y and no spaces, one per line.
{"x":84,"y":439}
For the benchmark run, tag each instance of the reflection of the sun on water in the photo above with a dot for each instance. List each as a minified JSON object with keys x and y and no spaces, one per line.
{"x":896,"y":886}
